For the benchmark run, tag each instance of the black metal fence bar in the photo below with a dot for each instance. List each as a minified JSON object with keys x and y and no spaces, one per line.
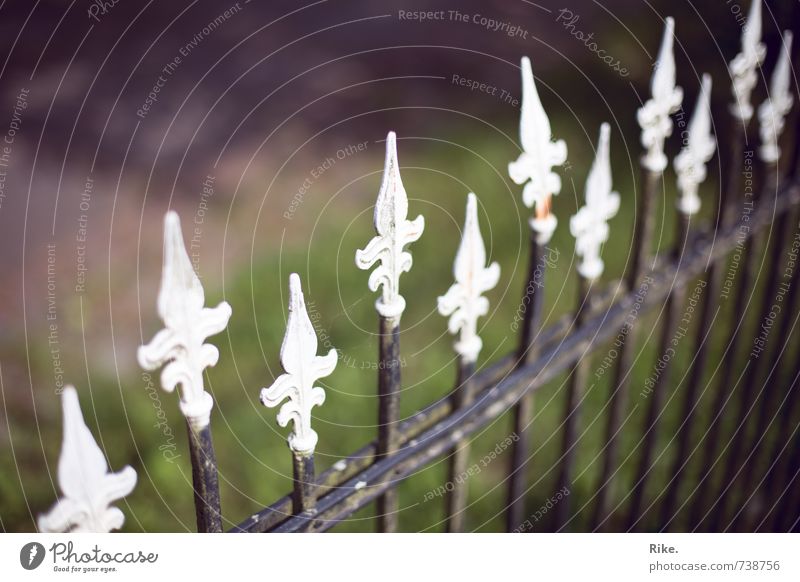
{"x":759,"y":396}
{"x":725,"y":217}
{"x":205,"y":480}
{"x":767,"y":375}
{"x":619,"y":397}
{"x":669,"y":331}
{"x":494,"y":398}
{"x":304,"y":496}
{"x":281,"y":509}
{"x":388,"y":413}
{"x":456,"y":499}
{"x":728,"y":387}
{"x":575,"y":393}
{"x":523,"y":410}
{"x":779,"y":478}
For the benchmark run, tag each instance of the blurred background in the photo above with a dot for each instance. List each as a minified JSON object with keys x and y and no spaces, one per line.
{"x":263,"y":125}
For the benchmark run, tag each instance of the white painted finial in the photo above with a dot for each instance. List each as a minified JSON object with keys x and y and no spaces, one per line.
{"x":534,"y":166}
{"x":589,"y":225}
{"x":87,"y":486}
{"x":773,"y":111}
{"x":187,"y":324}
{"x":666,"y":99}
{"x":303,"y":367}
{"x":690,"y":163}
{"x":743,"y":67}
{"x":394,"y":232}
{"x":464,"y":302}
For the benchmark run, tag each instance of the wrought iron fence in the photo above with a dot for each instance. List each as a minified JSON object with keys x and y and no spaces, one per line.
{"x":746,"y":483}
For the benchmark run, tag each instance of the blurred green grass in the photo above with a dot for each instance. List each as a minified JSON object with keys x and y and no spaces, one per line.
{"x":254,"y":462}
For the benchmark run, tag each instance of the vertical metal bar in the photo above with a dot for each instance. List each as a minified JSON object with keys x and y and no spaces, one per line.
{"x":575,"y":391}
{"x":686,"y":417}
{"x":532,"y":302}
{"x":456,"y":499}
{"x":523,"y":411}
{"x":725,"y":216}
{"x":643,"y":233}
{"x":782,"y":470}
{"x":789,"y":512}
{"x":388,"y":413}
{"x":727,"y":387}
{"x":756,"y":370}
{"x":304,"y":498}
{"x":205,"y":480}
{"x":759,"y":373}
{"x":669,"y":331}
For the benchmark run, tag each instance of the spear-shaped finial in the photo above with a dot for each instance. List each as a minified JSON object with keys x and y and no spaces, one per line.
{"x":464,"y":302}
{"x":589,"y":225}
{"x":743,"y":67}
{"x":773,"y":111}
{"x":534,"y":166}
{"x":187,"y":324}
{"x":394,"y":232}
{"x":303,"y":367}
{"x":88,"y":487}
{"x":690,"y":163}
{"x":666,"y":99}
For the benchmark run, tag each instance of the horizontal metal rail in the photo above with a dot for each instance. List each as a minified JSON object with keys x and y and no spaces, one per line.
{"x":437,"y":429}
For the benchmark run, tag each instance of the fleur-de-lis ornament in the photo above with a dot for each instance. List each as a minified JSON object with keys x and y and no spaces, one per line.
{"x":534,"y":166}
{"x":743,"y":66}
{"x":690,"y":163}
{"x":187,"y":324}
{"x":589,"y":225}
{"x":654,"y":116}
{"x":88,"y":487}
{"x":464,"y":302}
{"x":394,"y":232}
{"x":773,"y":111}
{"x":303,"y":367}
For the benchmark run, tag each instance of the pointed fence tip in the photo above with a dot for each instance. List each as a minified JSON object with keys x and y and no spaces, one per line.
{"x":294,"y":391}
{"x":87,"y":486}
{"x":690,"y":163}
{"x":773,"y":110}
{"x":393,"y":232}
{"x":179,"y":346}
{"x":464,"y":302}
{"x":589,"y":225}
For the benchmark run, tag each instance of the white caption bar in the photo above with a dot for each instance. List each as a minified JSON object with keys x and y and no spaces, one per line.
{"x":618,"y":557}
